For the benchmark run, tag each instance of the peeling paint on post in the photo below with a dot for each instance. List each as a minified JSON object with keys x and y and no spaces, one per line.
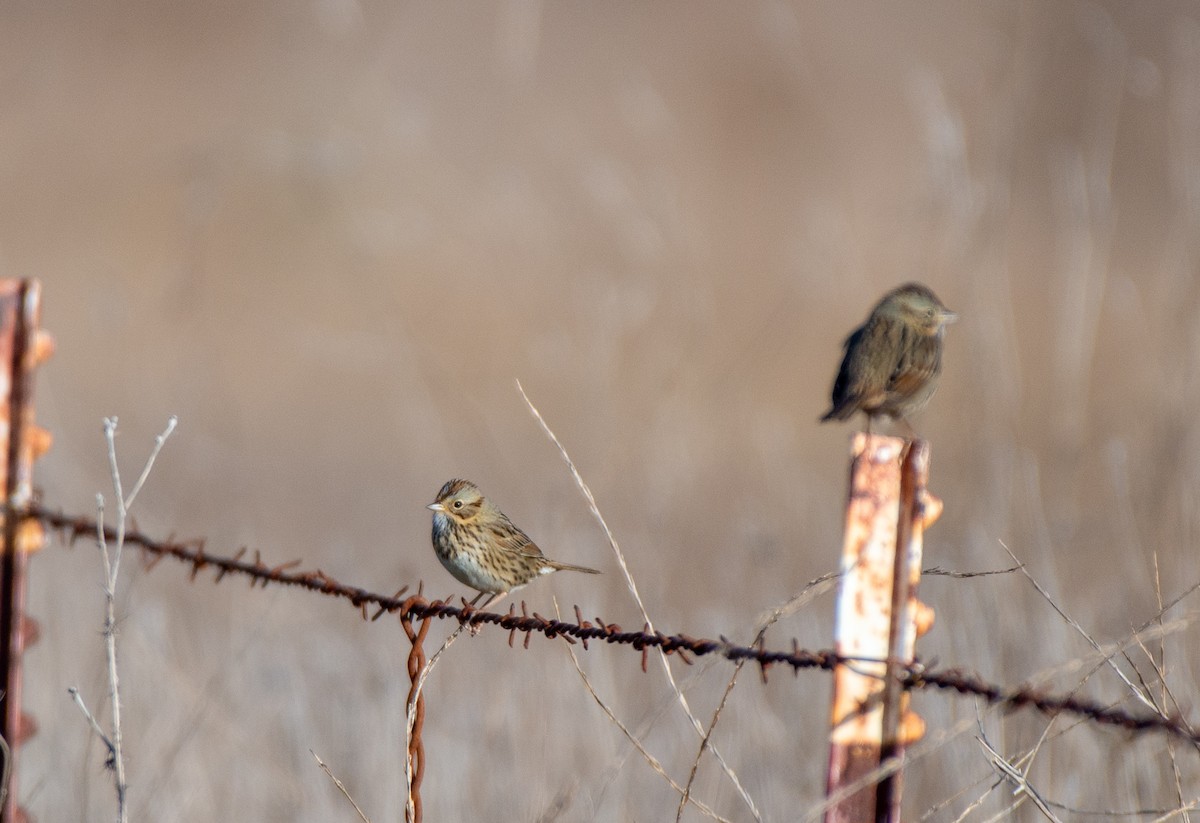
{"x":888,"y":507}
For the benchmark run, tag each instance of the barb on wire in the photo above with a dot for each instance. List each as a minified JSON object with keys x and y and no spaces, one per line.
{"x":914,"y":676}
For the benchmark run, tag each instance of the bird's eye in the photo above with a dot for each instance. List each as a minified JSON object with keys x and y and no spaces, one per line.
{"x":458,"y":504}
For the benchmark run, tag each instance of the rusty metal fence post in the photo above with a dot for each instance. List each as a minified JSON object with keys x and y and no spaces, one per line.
{"x":23,"y":346}
{"x":878,"y":621}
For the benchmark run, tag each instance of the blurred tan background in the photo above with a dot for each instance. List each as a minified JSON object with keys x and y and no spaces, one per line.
{"x":330,"y":236}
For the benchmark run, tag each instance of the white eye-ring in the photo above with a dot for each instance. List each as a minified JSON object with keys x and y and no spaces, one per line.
{"x":458,"y":504}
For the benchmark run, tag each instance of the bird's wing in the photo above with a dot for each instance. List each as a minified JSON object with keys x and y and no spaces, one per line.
{"x":919,"y":361}
{"x":845,"y":394}
{"x":876,"y":354}
{"x":511,"y":539}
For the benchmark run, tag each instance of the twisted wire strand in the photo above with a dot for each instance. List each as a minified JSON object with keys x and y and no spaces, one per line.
{"x":416,"y":700}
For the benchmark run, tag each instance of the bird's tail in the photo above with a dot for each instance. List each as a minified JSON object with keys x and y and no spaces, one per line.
{"x":840,"y":411}
{"x":567,"y":567}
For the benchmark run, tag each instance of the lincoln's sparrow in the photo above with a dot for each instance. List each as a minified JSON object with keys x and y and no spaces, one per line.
{"x":482,"y":548}
{"x":892,"y":361}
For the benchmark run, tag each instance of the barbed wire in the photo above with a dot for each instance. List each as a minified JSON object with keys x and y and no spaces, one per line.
{"x":913,"y":676}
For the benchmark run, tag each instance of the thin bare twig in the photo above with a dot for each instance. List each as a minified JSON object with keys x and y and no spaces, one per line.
{"x":632,"y":585}
{"x":938,"y":571}
{"x":341,"y":787}
{"x":1018,"y":778}
{"x":91,"y":719}
{"x":112,"y":565}
{"x":793,"y":604}
{"x":1161,"y":667}
{"x":1182,"y":810}
{"x":1073,"y":623}
{"x":650,"y":759}
{"x":1150,"y":630}
{"x":159,"y":441}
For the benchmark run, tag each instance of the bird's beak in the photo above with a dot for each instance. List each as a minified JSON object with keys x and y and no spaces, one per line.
{"x":436,"y":507}
{"x":948,"y":317}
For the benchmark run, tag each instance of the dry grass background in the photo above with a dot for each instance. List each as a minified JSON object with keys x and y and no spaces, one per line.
{"x":330,"y":235}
